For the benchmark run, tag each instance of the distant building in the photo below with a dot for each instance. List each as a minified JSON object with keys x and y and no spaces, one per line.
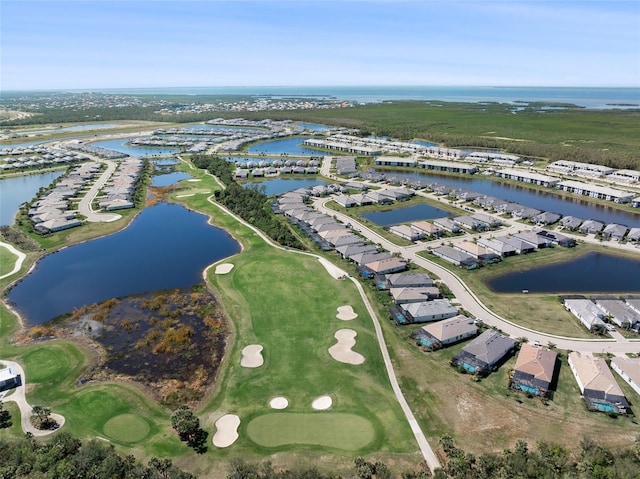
{"x":9,"y":379}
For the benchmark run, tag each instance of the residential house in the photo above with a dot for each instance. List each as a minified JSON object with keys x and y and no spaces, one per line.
{"x":591,"y":227}
{"x":525,"y":213}
{"x":547,"y":218}
{"x":408,"y":280}
{"x":387,"y":265}
{"x":443,"y":333}
{"x":633,"y":235}
{"x":470,"y":223}
{"x":619,"y":312}
{"x":534,"y":369}
{"x":536,"y":240}
{"x":459,"y":258}
{"x":426,"y":228}
{"x":406,"y":232}
{"x":363,"y":258}
{"x":498,"y":247}
{"x":429,"y":310}
{"x":557,"y":238}
{"x":345,"y":201}
{"x":629,"y":370}
{"x":599,"y":388}
{"x":571,"y":222}
{"x":615,"y":231}
{"x":520,"y":246}
{"x":586,"y":311}
{"x":9,"y":379}
{"x":491,"y":222}
{"x":414,"y":294}
{"x":351,"y":249}
{"x":482,"y":354}
{"x":477,"y":251}
{"x":447,"y":224}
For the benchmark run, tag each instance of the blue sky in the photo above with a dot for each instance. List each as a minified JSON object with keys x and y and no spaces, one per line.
{"x":129,"y":44}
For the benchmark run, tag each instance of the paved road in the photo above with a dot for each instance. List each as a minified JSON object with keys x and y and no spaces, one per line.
{"x":18,"y":396}
{"x":19,"y":260}
{"x":85,"y":207}
{"x":470,"y":302}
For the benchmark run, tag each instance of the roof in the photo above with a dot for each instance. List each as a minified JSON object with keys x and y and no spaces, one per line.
{"x":538,"y":361}
{"x":489,"y":347}
{"x":399,"y":280}
{"x":428,"y":308}
{"x":414,"y":294}
{"x":387,"y":264}
{"x":630,"y":366}
{"x":619,"y":310}
{"x":451,"y":328}
{"x":7,"y":373}
{"x":594,"y":374}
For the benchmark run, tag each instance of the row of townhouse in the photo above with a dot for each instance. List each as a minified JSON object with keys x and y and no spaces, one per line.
{"x":38,"y":157}
{"x":118,"y":191}
{"x":370,"y":197}
{"x":625,"y":313}
{"x":612,"y":231}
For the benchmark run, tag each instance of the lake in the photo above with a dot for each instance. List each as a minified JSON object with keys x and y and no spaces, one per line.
{"x":542,"y":200}
{"x":289,"y":146}
{"x":399,"y":215}
{"x":169,"y":179}
{"x":19,"y":189}
{"x":591,"y":273}
{"x":166,"y":246}
{"x":282,"y":185}
{"x":139,"y":151}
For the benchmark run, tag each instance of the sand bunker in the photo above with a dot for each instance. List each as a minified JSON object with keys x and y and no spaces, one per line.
{"x":224,"y":268}
{"x":341,"y":351}
{"x":279,"y":402}
{"x":186,"y":196}
{"x":345,"y":313}
{"x":252,"y":356}
{"x":194,"y":180}
{"x":226,"y":430}
{"x":321,"y":403}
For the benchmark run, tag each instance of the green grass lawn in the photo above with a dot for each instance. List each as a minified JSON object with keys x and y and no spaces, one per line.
{"x":7,"y":260}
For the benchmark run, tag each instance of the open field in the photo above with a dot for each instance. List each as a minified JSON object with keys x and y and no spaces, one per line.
{"x":7,"y":260}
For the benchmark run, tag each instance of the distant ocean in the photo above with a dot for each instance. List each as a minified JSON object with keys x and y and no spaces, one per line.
{"x":597,"y":98}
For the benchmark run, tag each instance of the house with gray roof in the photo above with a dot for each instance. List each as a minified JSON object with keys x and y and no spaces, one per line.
{"x":459,"y":258}
{"x":571,"y":222}
{"x":586,"y":311}
{"x":482,"y":354}
{"x":633,"y":235}
{"x":599,"y":388}
{"x":470,"y":223}
{"x":619,"y":312}
{"x":534,"y":370}
{"x":525,"y":213}
{"x":557,"y":238}
{"x":408,"y":280}
{"x":406,"y":232}
{"x":352,"y":249}
{"x":363,"y":258}
{"x":429,"y":310}
{"x":343,"y":240}
{"x":446,"y":224}
{"x":521,"y":246}
{"x":491,"y":222}
{"x":414,"y":294}
{"x":615,"y":231}
{"x":547,"y":218}
{"x":591,"y":227}
{"x":439,"y":334}
{"x":345,"y":201}
{"x":534,"y":239}
{"x":498,"y":247}
{"x":9,"y":379}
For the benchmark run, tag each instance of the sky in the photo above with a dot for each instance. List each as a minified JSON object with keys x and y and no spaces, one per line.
{"x":93,"y":44}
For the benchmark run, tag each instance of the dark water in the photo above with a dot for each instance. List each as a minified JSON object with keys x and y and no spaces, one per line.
{"x":166,"y":246}
{"x":139,"y":151}
{"x":404,"y":215}
{"x":282,"y":185}
{"x":591,"y":273}
{"x":169,"y":179}
{"x":15,"y":191}
{"x":313,"y":126}
{"x":542,"y":200}
{"x":290,"y":146}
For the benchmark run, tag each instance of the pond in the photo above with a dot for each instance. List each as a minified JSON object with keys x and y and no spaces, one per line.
{"x":169,"y":179}
{"x":313,"y":126}
{"x":19,"y":189}
{"x":399,"y":215}
{"x":289,"y":146}
{"x":282,"y":185}
{"x":166,"y":246}
{"x":542,"y":200}
{"x":592,"y":273}
{"x":139,"y":151}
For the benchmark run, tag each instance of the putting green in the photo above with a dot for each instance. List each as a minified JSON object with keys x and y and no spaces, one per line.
{"x":347,"y":432}
{"x":126,"y":428}
{"x":46,"y":364}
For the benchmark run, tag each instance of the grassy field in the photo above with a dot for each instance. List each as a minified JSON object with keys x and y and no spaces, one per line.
{"x":7,"y":260}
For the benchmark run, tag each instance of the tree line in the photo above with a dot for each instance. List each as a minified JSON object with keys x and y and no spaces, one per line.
{"x":251,"y":204}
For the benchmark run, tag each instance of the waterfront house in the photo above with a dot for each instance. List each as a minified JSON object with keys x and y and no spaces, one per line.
{"x":345,"y":201}
{"x":586,"y":311}
{"x":405,"y":232}
{"x":557,"y":238}
{"x":443,"y":333}
{"x":482,"y":354}
{"x":629,"y":370}
{"x":615,"y":231}
{"x":619,"y":312}
{"x":426,"y":311}
{"x":534,"y":369}
{"x":470,"y":223}
{"x":633,"y":235}
{"x":636,"y":202}
{"x":571,"y":222}
{"x":396,"y":161}
{"x":491,"y":222}
{"x":599,"y":388}
{"x":414,"y":294}
{"x":458,"y":258}
{"x":362,"y":199}
{"x":447,"y":224}
{"x":525,"y":213}
{"x":546,"y":218}
{"x":591,"y":227}
{"x":520,"y":246}
{"x":498,"y":247}
{"x":478,"y":251}
{"x":534,"y":239}
{"x":426,"y":228}
{"x":379,"y":197}
{"x":9,"y":379}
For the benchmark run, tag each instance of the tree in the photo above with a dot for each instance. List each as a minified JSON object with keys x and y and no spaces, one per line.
{"x":5,"y":417}
{"x":187,"y":425}
{"x":41,"y":418}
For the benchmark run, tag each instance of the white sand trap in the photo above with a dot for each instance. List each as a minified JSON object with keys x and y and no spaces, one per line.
{"x":224,"y":268}
{"x":279,"y":402}
{"x":321,"y":403}
{"x":226,"y":430}
{"x":341,"y":351}
{"x":194,"y":180}
{"x":186,"y":196}
{"x":345,"y":313}
{"x":252,"y":356}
